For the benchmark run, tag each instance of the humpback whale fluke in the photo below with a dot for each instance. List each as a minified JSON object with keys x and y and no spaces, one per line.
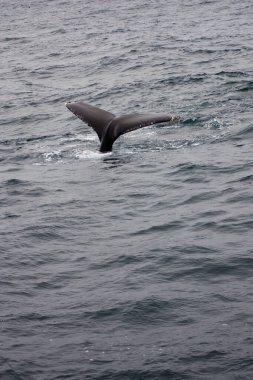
{"x":109,"y":127}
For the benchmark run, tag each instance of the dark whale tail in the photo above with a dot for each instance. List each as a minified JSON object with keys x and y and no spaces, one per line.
{"x":109,"y":127}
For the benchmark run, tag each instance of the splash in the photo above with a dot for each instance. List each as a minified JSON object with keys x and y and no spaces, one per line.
{"x":91,"y":155}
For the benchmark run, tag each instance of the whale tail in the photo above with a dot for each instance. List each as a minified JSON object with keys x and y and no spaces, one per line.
{"x":109,"y":127}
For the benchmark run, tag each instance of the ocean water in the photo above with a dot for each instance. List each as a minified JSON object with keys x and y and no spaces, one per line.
{"x":136,"y":264}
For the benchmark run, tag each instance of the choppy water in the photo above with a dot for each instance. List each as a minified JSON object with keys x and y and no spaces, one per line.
{"x":135,"y":264}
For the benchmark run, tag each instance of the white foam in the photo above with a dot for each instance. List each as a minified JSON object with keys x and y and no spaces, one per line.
{"x":80,"y":137}
{"x":139,"y":132}
{"x":50,"y":156}
{"x":89,"y":138}
{"x":214,"y":123}
{"x":89,"y":155}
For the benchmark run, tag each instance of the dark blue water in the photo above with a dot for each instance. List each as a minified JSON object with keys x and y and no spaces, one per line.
{"x":135,"y":264}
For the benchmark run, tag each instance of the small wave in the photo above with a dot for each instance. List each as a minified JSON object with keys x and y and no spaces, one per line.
{"x":247,"y":178}
{"x":9,"y":216}
{"x":150,"y":310}
{"x":245,"y":132}
{"x":145,"y":374}
{"x":16,"y":38}
{"x":40,"y":233}
{"x":174,"y":225}
{"x":245,"y":86}
{"x":14,"y":182}
{"x":232,"y":74}
{"x":59,"y":31}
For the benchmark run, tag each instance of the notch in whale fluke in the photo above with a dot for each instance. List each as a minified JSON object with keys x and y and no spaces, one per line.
{"x":109,"y":127}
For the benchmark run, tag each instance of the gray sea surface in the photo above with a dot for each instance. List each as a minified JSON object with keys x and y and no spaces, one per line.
{"x":135,"y":264}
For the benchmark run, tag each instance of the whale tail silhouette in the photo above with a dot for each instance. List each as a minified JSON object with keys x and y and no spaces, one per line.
{"x":109,"y":127}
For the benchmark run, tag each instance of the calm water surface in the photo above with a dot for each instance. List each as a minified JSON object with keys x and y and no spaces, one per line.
{"x":135,"y":264}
